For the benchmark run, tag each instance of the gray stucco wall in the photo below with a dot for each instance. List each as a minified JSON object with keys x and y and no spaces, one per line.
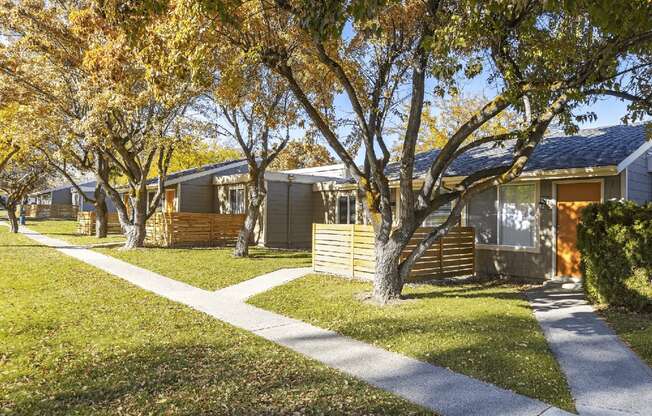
{"x":197,"y":195}
{"x":299,"y":213}
{"x":639,"y":181}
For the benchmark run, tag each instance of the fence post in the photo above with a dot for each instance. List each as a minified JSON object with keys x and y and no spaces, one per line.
{"x":473,"y":249}
{"x":312,"y":251}
{"x":211,"y":237}
{"x":441,"y":255}
{"x":352,"y":250}
{"x":170,"y":227}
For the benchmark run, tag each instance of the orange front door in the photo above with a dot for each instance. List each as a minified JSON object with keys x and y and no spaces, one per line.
{"x":571,"y":199}
{"x":169,"y":200}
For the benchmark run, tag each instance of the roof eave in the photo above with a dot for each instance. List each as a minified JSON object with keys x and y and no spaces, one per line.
{"x":188,"y":177}
{"x":587,"y":172}
{"x":635,"y":155}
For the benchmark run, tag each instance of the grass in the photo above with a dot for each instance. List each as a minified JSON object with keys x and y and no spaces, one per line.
{"x":634,"y":328}
{"x":66,"y":230}
{"x":210,"y":268}
{"x":484,"y":331}
{"x":74,"y":340}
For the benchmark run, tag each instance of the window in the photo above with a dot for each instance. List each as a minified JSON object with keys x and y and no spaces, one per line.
{"x":482,"y":214}
{"x":439,"y":216}
{"x":237,"y":201}
{"x":504,"y":216}
{"x":346,"y":209}
{"x":517,"y":215}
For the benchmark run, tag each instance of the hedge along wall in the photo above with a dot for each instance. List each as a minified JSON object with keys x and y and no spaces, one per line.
{"x":615,"y":241}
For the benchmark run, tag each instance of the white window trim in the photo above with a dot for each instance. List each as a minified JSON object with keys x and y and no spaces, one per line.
{"x":537,"y":218}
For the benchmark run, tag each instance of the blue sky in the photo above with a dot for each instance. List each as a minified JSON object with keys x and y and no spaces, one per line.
{"x":609,"y":110}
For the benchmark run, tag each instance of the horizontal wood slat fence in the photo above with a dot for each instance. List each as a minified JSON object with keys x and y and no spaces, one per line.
{"x":50,"y":211}
{"x":179,"y":229}
{"x":348,"y":250}
{"x":86,"y":223}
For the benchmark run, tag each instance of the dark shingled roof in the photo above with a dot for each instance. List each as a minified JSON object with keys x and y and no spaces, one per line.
{"x":211,"y":166}
{"x":604,"y":146}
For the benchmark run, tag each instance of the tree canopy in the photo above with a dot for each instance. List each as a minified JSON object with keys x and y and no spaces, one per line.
{"x":377,"y":57}
{"x":300,"y":154}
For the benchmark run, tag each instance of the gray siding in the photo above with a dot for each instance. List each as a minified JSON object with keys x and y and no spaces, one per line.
{"x":297,"y":210}
{"x":197,"y":195}
{"x":537,"y":265}
{"x":61,"y":197}
{"x":639,"y":181}
{"x":89,"y":206}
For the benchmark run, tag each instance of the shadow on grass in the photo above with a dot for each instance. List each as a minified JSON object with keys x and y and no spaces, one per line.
{"x":23,"y":245}
{"x":274,"y":254}
{"x":497,"y":348}
{"x":470,"y":292}
{"x":193,"y":379}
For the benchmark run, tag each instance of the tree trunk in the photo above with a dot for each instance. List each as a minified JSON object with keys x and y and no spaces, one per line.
{"x":135,"y":231}
{"x":101,"y":212}
{"x":247,"y":230}
{"x":135,"y":234}
{"x":388,"y":283}
{"x":13,"y":220}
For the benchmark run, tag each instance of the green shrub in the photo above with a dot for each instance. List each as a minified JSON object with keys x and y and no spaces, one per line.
{"x":615,"y":241}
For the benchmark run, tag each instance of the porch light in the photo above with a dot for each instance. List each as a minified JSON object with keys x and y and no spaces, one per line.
{"x":546,"y":203}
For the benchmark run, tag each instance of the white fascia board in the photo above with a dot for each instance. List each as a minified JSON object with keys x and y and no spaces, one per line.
{"x":637,"y":153}
{"x":84,"y":189}
{"x":204,"y":173}
{"x":589,"y":172}
{"x":194,"y":175}
{"x":272,"y":177}
{"x":296,"y":178}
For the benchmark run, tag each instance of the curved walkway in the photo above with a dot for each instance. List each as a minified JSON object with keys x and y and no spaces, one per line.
{"x":604,"y":375}
{"x":435,"y":388}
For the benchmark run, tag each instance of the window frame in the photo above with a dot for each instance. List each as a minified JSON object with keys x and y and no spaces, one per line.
{"x":352,"y":200}
{"x":537,"y":219}
{"x":236,"y":190}
{"x":449,"y":205}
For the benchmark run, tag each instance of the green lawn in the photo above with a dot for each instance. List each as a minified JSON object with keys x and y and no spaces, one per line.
{"x":484,"y":331}
{"x":67,"y":230}
{"x":634,"y":328}
{"x":74,"y":340}
{"x":210,"y":268}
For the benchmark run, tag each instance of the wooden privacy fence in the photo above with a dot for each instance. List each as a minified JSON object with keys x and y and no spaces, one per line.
{"x":176,"y":229}
{"x":50,"y":211}
{"x":86,"y":223}
{"x":348,"y":250}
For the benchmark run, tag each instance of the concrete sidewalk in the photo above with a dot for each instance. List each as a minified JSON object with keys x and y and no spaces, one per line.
{"x":435,"y":388}
{"x":605,"y":376}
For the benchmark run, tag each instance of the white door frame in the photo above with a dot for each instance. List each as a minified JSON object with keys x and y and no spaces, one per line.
{"x":553,"y":272}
